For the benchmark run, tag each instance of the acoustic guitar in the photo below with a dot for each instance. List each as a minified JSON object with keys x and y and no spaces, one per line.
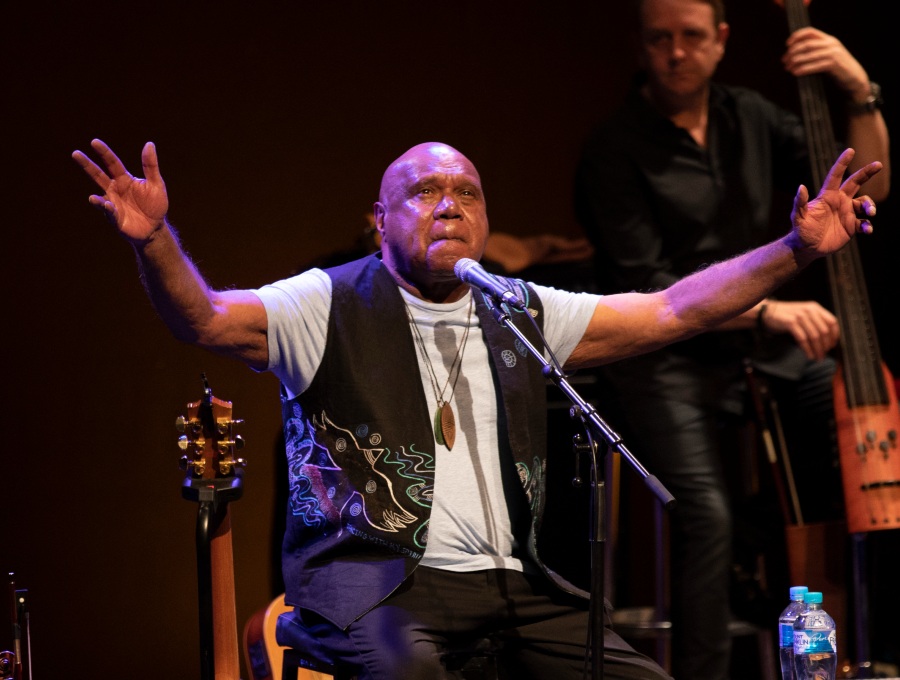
{"x":213,"y":479}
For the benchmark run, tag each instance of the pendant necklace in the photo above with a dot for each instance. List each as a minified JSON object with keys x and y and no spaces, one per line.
{"x":444,"y":421}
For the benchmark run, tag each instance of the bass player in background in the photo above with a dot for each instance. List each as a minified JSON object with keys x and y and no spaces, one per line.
{"x":694,"y":166}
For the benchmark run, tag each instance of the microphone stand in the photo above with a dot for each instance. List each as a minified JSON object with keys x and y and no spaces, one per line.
{"x":594,"y":425}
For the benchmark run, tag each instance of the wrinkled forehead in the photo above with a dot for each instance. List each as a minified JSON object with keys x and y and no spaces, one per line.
{"x":425,"y":161}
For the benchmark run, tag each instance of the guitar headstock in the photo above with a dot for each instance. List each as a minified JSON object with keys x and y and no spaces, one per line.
{"x":208,"y":439}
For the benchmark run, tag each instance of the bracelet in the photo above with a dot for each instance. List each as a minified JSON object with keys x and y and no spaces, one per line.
{"x":760,"y":324}
{"x":872,"y":103}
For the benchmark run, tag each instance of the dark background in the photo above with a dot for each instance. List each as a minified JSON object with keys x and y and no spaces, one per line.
{"x":273,"y":123}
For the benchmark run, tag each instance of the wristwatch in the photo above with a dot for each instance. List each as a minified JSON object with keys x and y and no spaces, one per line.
{"x":871,"y":103}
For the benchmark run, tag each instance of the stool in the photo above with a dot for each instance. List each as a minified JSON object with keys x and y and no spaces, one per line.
{"x":648,"y":622}
{"x":268,"y":660}
{"x":306,"y":661}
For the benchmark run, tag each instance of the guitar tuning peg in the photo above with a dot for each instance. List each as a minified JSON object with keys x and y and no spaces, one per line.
{"x":181,"y":423}
{"x":224,"y":425}
{"x":239,"y":441}
{"x":196,"y":467}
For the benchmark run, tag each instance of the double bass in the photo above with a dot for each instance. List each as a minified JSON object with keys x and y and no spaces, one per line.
{"x":865,"y":401}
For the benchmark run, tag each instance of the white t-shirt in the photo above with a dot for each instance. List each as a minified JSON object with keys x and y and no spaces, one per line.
{"x":470,"y":524}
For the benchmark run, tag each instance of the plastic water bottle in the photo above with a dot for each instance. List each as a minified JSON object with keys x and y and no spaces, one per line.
{"x":815,"y":642}
{"x":786,"y":631}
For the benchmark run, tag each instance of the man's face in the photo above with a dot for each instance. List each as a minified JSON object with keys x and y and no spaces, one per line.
{"x":431,"y":212}
{"x":681,"y":45}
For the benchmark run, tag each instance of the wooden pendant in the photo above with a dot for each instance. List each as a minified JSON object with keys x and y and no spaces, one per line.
{"x":438,"y":430}
{"x":448,"y":425}
{"x":445,"y":425}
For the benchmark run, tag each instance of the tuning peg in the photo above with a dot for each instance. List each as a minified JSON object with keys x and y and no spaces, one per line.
{"x":226,"y":465}
{"x":224,"y":426}
{"x":188,"y":426}
{"x":196,"y":466}
{"x":237,"y":462}
{"x":185,"y":443}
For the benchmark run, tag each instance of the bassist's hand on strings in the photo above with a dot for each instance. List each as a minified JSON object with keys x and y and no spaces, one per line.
{"x":812,"y":55}
{"x":811,"y":51}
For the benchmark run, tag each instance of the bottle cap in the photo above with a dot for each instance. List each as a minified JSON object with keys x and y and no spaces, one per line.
{"x":798,"y":591}
{"x":813,"y":598}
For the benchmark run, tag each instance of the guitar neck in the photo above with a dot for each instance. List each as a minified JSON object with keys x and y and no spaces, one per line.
{"x":225,"y":631}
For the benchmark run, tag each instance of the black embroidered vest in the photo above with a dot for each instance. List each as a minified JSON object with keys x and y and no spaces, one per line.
{"x":361,"y":450}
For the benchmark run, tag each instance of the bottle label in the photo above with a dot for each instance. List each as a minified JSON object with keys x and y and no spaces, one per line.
{"x":814,"y":641}
{"x":787,"y":634}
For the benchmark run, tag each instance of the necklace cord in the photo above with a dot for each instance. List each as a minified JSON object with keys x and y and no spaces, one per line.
{"x":457,"y":360}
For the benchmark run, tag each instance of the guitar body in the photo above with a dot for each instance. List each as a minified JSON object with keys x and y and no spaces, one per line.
{"x":262,"y":653}
{"x":870,"y":457}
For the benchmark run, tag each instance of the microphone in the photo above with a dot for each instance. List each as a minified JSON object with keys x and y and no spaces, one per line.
{"x":469,"y":271}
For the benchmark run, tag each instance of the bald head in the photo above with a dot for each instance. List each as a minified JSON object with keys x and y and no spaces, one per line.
{"x":437,"y":156}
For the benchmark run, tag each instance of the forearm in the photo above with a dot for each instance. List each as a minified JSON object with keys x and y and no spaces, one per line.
{"x":729,"y":294}
{"x":178,"y":292}
{"x":632,"y":323}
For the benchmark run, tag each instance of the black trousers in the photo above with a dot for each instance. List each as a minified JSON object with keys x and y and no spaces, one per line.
{"x":539,"y":632}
